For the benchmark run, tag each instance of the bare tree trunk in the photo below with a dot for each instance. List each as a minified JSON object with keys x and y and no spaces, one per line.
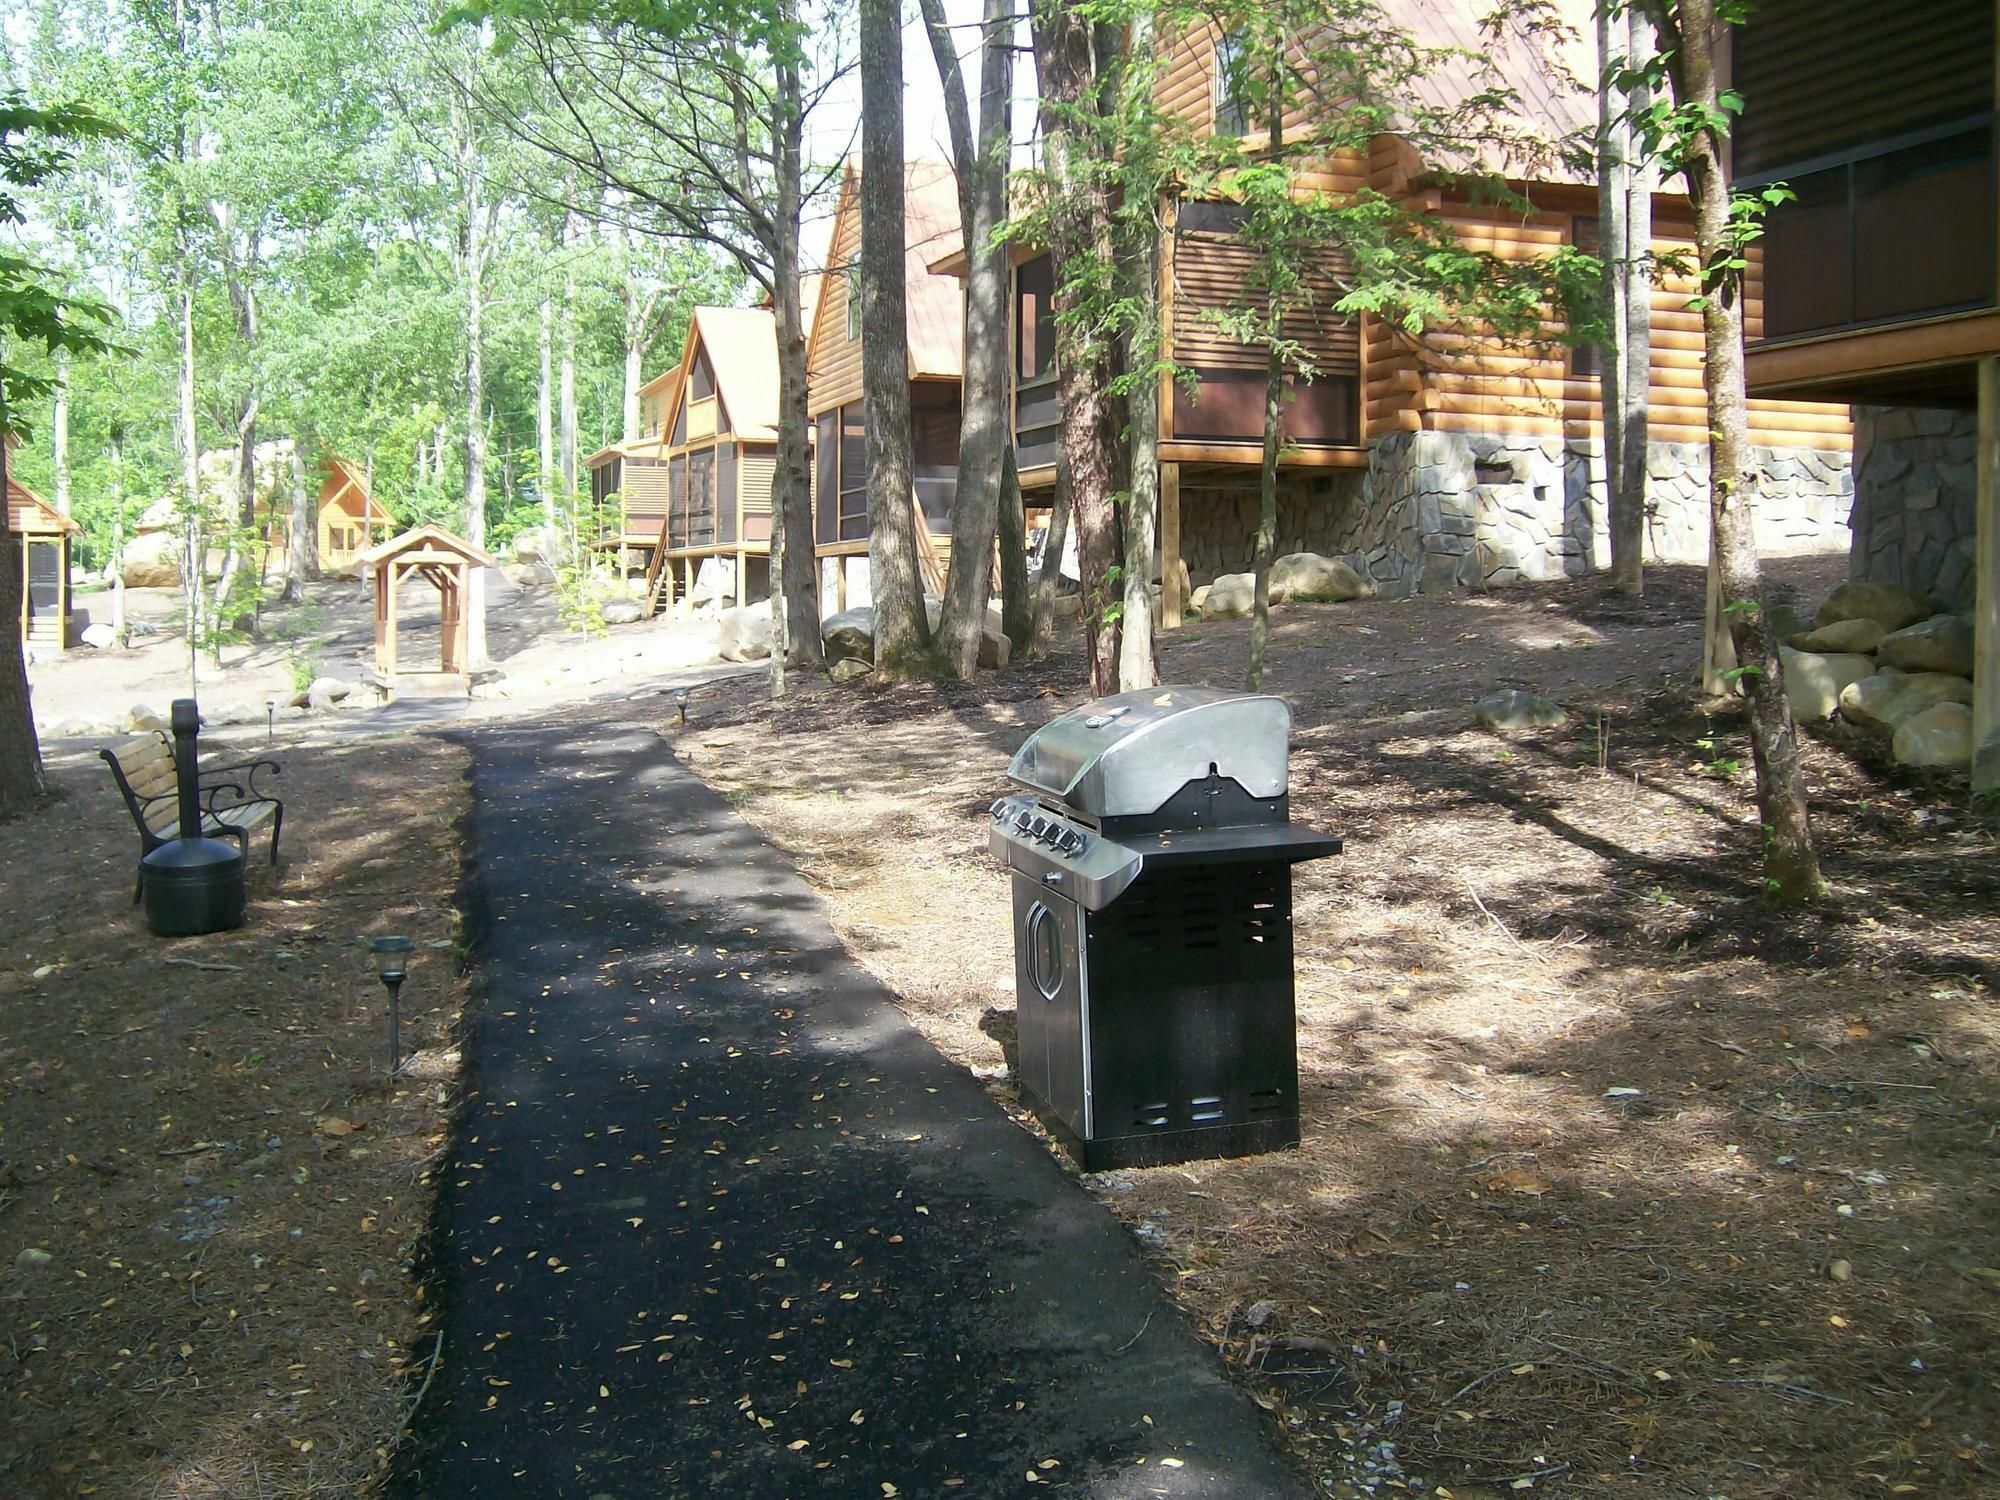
{"x":21,"y":781}
{"x":902,"y":633}
{"x":1266,"y":546}
{"x":1136,"y":665}
{"x":1636,"y":382}
{"x":794,"y":566}
{"x":194,"y":553}
{"x":1017,"y":604}
{"x":566,"y":383}
{"x":472,"y":184}
{"x":118,"y":628}
{"x":1080,"y":238}
{"x":301,"y":545}
{"x":1791,"y":869}
{"x":1624,"y":195}
{"x":59,"y":431}
{"x":984,"y":417}
{"x":545,"y":429}
{"x":1048,"y":578}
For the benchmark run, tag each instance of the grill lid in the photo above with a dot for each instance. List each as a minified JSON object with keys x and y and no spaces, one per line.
{"x":1125,"y":755}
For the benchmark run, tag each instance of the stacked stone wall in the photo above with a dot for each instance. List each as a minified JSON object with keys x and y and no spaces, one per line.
{"x":1441,"y":510}
{"x":1915,"y":499}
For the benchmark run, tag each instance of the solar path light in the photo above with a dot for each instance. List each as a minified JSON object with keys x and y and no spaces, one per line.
{"x":392,"y":966}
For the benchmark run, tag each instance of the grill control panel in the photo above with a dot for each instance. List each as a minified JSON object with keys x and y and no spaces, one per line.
{"x":1076,"y":861}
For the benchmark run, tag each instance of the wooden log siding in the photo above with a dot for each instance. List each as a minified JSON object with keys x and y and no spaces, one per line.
{"x":833,"y":362}
{"x":757,"y":471}
{"x":1460,"y":382}
{"x":1820,"y":75}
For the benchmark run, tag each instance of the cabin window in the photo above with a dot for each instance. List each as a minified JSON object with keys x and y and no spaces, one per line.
{"x":854,"y":299}
{"x":1035,"y":318}
{"x":851,"y":513}
{"x":1232,"y":93}
{"x":1586,"y":361}
{"x":701,"y":380}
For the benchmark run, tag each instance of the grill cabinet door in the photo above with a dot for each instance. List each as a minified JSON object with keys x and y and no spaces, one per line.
{"x":1048,"y":1003}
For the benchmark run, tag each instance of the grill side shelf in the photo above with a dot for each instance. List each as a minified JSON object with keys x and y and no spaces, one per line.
{"x":1240,"y":845}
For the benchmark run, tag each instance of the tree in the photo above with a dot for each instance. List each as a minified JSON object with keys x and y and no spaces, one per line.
{"x":35,"y":146}
{"x":986,"y":435}
{"x":1688,"y":126}
{"x":696,"y":118}
{"x":1626,"y":179}
{"x":902,"y":631}
{"x":1077,"y":60}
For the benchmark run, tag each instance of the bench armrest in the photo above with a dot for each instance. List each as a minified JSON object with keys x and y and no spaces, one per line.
{"x":245,"y":788}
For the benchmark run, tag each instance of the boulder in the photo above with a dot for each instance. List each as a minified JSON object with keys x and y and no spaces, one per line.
{"x":1198,"y":600}
{"x":623,"y":612}
{"x":1842,"y":635}
{"x":71,"y":729}
{"x":533,"y":546}
{"x":1068,"y":607}
{"x":1301,"y":577}
{"x":139,"y":719}
{"x":1813,"y":681}
{"x":1940,"y":735}
{"x":326,"y":693}
{"x":98,"y":637}
{"x":152,"y":560}
{"x":849,"y":669}
{"x":1943,"y":643}
{"x":744,"y":633}
{"x":1867,"y":701}
{"x":528,"y":575}
{"x":1889,"y":605}
{"x":1229,"y":597}
{"x":1511,"y":709}
{"x":849,"y":636}
{"x":1921,"y":690}
{"x":994,"y":648}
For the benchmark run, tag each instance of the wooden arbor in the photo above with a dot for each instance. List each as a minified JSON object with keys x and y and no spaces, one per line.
{"x":442,"y":560}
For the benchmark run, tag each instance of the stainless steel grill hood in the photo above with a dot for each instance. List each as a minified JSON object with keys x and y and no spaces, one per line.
{"x":1127,"y":755}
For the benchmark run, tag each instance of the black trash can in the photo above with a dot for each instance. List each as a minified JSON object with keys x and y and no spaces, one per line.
{"x":193,"y":884}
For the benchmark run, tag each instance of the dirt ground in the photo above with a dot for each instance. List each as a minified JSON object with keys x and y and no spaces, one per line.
{"x":210,"y":1195}
{"x":1613,"y":1182}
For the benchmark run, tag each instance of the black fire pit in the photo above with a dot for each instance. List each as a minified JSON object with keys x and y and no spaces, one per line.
{"x":1152,"y":869}
{"x":193,"y":884}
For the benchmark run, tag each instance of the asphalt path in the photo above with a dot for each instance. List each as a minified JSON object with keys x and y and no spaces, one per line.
{"x":717,"y":1221}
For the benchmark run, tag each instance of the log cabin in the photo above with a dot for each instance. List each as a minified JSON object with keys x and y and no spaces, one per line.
{"x":1879,"y":283}
{"x":350,"y":518}
{"x":1438,"y":461}
{"x":44,"y":535}
{"x":628,"y":480}
{"x":935,"y":311}
{"x":719,"y":442}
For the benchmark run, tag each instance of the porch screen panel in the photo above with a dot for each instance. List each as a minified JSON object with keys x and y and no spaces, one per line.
{"x":826,"y":479}
{"x":853,"y":513}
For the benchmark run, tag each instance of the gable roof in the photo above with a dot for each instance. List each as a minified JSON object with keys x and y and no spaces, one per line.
{"x":421,"y":537}
{"x":350,"y":479}
{"x":28,"y":514}
{"x":742,"y":348}
{"x":934,"y":303}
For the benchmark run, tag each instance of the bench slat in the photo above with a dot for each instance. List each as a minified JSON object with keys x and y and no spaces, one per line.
{"x":152,"y":781}
{"x":133,"y":753}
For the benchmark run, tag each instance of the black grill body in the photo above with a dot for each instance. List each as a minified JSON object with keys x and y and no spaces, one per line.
{"x":1153,"y":956}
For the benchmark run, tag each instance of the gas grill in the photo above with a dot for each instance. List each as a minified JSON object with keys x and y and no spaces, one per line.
{"x":1151,"y":857}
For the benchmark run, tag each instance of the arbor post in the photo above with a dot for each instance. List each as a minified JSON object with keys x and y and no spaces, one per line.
{"x":1171,"y":602}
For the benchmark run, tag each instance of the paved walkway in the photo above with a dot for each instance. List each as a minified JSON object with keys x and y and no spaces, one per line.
{"x":719,"y":1222}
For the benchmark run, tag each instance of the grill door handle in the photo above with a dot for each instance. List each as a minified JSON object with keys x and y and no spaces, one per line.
{"x":1045,"y":951}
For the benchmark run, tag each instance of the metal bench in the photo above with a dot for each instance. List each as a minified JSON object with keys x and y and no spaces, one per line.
{"x":231,"y":802}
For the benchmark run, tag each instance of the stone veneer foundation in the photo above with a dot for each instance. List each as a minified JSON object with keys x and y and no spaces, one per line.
{"x":1915,"y":497}
{"x":1442,"y":510}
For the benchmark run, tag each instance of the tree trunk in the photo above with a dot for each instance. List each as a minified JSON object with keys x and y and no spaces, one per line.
{"x":1636,"y":384}
{"x":902,"y":634}
{"x":118,"y":630}
{"x":59,"y":431}
{"x":1791,"y":869}
{"x":1017,"y":603}
{"x":1048,"y":578}
{"x":301,"y":544}
{"x":1080,"y":240}
{"x":794,"y":565}
{"x":1266,"y":545}
{"x":20,"y":752}
{"x":566,"y":383}
{"x":194,"y":553}
{"x":545,"y":427}
{"x":471,"y":176}
{"x":984,"y":417}
{"x":1136,"y":665}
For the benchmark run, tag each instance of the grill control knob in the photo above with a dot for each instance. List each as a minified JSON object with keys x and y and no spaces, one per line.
{"x":999,"y":810}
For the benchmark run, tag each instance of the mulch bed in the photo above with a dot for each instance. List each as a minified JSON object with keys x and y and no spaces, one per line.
{"x":1614,"y":1180}
{"x":210,"y":1195}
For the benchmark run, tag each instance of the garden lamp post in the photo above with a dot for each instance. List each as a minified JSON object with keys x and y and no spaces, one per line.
{"x":681,"y":703}
{"x":392,"y":966}
{"x":270,"y":722}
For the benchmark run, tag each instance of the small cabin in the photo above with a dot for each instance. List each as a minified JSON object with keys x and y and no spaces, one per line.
{"x":351,"y":520}
{"x":45,"y":535}
{"x":935,"y":307}
{"x":720,"y":454}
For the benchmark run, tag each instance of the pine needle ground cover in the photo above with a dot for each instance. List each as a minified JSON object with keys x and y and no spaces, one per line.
{"x":1612,"y":1183}
{"x":211,"y":1201}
